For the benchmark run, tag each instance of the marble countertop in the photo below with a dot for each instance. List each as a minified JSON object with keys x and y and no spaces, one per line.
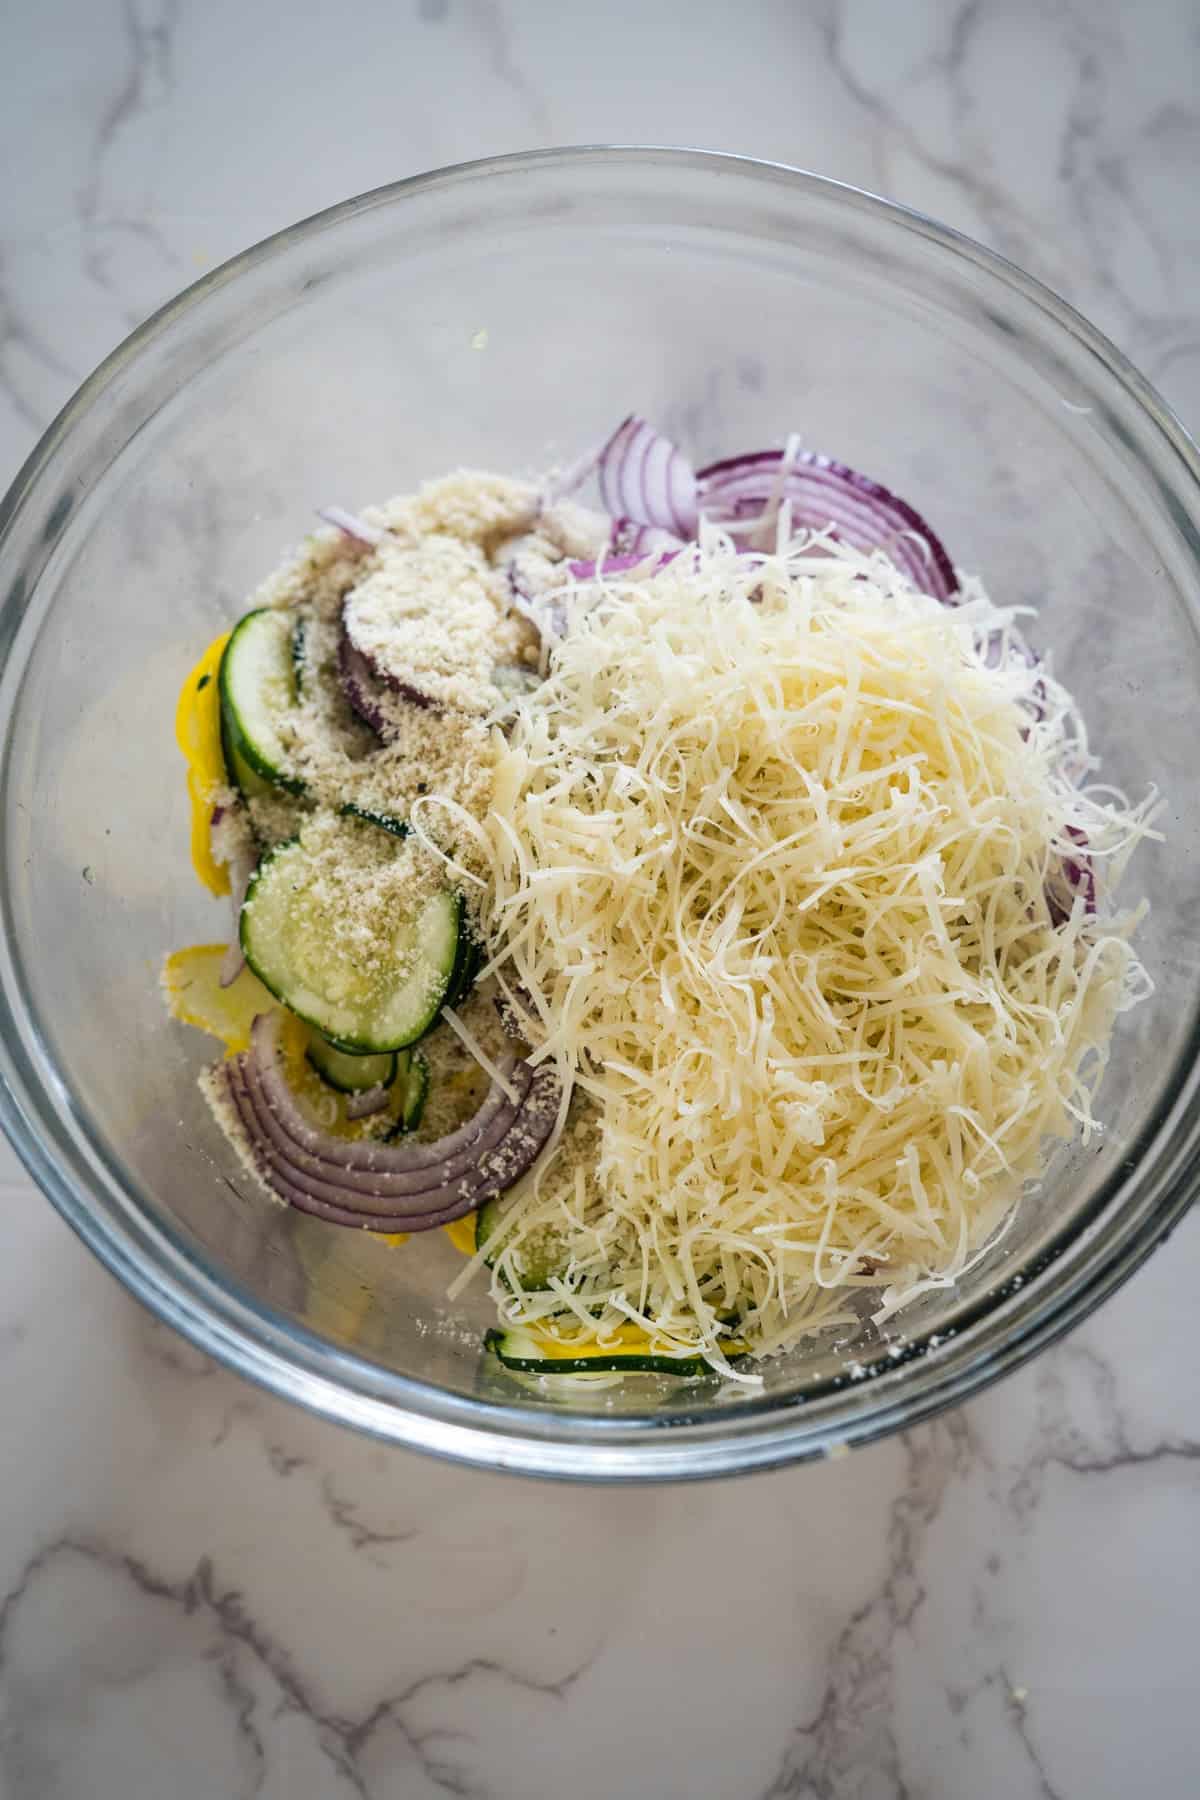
{"x":206,"y":1593}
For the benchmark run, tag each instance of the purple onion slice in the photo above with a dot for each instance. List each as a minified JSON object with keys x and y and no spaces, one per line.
{"x":631,"y":539}
{"x":384,"y":1187}
{"x":544,"y":611}
{"x":826,"y":495}
{"x":351,"y":526}
{"x":366,"y":682}
{"x":241,"y":868}
{"x":620,"y":565}
{"x":1074,"y":875}
{"x":326,"y":1199}
{"x":644,"y":478}
{"x":368,"y":1101}
{"x":365,"y":694}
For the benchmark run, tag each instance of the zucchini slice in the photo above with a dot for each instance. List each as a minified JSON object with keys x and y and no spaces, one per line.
{"x":298,"y":646}
{"x":414,"y":1087}
{"x":350,"y":1074}
{"x":289,"y":937}
{"x":518,"y":1349}
{"x":385,"y":821}
{"x":467,"y":965}
{"x":542,"y":1255}
{"x":258,"y":685}
{"x":245,"y":779}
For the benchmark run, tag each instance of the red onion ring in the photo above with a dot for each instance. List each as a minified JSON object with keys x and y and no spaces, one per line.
{"x":278,"y":1161}
{"x":367,"y":1101}
{"x":644,"y":477}
{"x":620,"y":565}
{"x":827,"y":496}
{"x":631,"y":539}
{"x":1075,"y":875}
{"x":545,"y":612}
{"x":241,"y":868}
{"x":352,"y":526}
{"x":363,"y":694}
{"x":495,"y":1170}
{"x":397,"y":1160}
{"x":363,"y":678}
{"x":325,"y":1200}
{"x":384,"y":1187}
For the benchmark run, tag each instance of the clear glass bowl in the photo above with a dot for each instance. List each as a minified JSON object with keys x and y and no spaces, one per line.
{"x":504,"y":314}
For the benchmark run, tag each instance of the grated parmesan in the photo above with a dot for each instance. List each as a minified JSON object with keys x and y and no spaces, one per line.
{"x":390,"y":619}
{"x":767,"y":862}
{"x":435,"y":593}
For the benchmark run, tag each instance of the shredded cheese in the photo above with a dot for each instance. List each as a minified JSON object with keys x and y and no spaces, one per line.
{"x":475,"y":1049}
{"x":768,"y":856}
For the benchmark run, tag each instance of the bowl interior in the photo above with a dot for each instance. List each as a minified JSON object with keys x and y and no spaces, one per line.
{"x":505,"y":317}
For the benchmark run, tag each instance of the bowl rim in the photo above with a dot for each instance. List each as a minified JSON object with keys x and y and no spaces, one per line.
{"x":184,"y":1289}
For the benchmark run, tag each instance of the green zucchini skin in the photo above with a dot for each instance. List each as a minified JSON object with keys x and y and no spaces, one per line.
{"x":350,"y":1074}
{"x":296,"y":971}
{"x":511,"y":1349}
{"x":415,"y":1076}
{"x":385,"y":821}
{"x":537,"y":1271}
{"x":257,"y":683}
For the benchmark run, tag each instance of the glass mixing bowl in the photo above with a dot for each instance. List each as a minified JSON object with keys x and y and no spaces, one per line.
{"x":504,"y":315}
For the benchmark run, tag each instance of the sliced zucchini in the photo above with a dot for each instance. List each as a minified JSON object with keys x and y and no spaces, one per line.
{"x":289,"y":937}
{"x":515,"y":680}
{"x":385,"y":821}
{"x":518,"y":1349}
{"x":299,"y":638}
{"x":245,"y":779}
{"x":258,"y":685}
{"x":542,"y":1254}
{"x":414,"y":1082}
{"x":348,"y":1073}
{"x":467,"y":965}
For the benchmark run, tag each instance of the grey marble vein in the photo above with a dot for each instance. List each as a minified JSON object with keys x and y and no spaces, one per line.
{"x":852,"y":1728}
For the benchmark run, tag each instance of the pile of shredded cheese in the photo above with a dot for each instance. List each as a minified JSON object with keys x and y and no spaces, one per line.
{"x":767,"y":865}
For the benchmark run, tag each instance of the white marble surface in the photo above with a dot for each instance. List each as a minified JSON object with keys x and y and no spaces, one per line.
{"x":208,"y":1594}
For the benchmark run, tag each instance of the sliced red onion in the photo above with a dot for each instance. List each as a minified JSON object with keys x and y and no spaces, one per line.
{"x":519,"y":584}
{"x":275,"y":1151}
{"x":376,"y":1159}
{"x":545,"y":607}
{"x":367,"y":688}
{"x":999,"y":648}
{"x":631,"y":539}
{"x":645,"y":478}
{"x":414,"y":695}
{"x":385,"y":1187}
{"x":364,"y":694}
{"x":620,"y":565}
{"x":557,"y":487}
{"x":352,"y":526}
{"x":369,"y":676}
{"x":241,"y":868}
{"x":545,"y":612}
{"x":367,"y":1101}
{"x":233,"y":962}
{"x":827,"y":496}
{"x":375,"y":1189}
{"x":766,"y":531}
{"x":507,"y":1011}
{"x":328,"y":1199}
{"x":1075,"y":875}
